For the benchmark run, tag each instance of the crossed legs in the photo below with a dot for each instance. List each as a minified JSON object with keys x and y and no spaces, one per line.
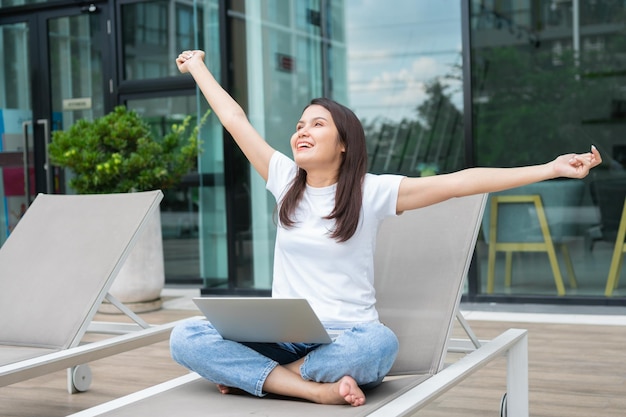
{"x":286,"y":380}
{"x":329,"y":374}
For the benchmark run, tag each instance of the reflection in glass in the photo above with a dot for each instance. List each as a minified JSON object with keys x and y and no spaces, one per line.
{"x":75,"y":67}
{"x":397,"y":67}
{"x":180,"y":209}
{"x":277,"y":69}
{"x":404,"y":82}
{"x":13,"y":3}
{"x":548,"y":79}
{"x":15,"y":109}
{"x":15,"y":91}
{"x":154,"y":32}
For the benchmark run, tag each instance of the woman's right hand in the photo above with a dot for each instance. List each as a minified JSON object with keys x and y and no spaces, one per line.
{"x":187,"y":57}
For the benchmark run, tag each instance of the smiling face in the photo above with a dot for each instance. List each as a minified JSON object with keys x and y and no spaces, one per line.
{"x":315,"y":144}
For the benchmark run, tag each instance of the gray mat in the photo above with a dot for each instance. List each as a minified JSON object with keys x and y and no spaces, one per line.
{"x":201,"y":398}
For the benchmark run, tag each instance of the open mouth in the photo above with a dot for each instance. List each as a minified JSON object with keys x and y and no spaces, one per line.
{"x":304,"y":145}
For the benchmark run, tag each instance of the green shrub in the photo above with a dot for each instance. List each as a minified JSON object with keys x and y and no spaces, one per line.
{"x":117,"y":153}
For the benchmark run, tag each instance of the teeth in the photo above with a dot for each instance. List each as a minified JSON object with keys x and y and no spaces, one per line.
{"x":304,"y":145}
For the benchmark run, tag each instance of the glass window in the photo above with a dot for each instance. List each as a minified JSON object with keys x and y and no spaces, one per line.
{"x":81,"y":76}
{"x":549,"y":78}
{"x":397,"y":67}
{"x":404,"y":82}
{"x":155,"y":31}
{"x":15,"y":91}
{"x":192,"y":212}
{"x":13,"y":3}
{"x":179,"y":208}
{"x":212,"y":235}
{"x":276,"y":70}
{"x":15,"y":108}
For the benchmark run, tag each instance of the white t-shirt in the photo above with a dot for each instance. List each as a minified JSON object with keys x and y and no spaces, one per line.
{"x":336,"y":278}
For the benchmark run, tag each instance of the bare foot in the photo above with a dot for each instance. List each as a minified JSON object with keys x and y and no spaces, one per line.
{"x":223,"y":389}
{"x":283,"y":381}
{"x":346,"y":390}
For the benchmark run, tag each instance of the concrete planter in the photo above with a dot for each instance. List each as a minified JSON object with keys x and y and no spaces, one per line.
{"x":142,"y":277}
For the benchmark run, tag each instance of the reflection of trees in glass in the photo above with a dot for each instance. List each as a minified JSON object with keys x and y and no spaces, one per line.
{"x":533,"y":104}
{"x":428,"y":144}
{"x":601,"y":12}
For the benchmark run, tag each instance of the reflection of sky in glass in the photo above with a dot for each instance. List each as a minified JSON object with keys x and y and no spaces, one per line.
{"x":394,"y":48}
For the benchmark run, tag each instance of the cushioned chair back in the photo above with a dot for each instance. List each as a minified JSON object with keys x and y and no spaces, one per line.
{"x":422,"y":259}
{"x":60,"y":260}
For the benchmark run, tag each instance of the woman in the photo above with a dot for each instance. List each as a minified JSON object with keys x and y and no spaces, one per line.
{"x":329,"y":210}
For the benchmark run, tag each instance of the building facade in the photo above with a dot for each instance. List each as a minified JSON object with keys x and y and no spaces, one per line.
{"x":438,"y":85}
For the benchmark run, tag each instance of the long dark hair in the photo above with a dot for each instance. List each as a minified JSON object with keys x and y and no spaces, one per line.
{"x":349,"y":195}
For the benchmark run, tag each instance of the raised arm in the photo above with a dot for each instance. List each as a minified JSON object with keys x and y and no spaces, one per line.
{"x":228,"y":111}
{"x":424,"y":191}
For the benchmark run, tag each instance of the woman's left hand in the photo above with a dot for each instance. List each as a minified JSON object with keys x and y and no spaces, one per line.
{"x":577,"y":165}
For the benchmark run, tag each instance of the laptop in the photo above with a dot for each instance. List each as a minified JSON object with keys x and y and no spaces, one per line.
{"x":264,"y":319}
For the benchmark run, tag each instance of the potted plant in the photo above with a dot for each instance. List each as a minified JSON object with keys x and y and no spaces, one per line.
{"x":119,"y":153}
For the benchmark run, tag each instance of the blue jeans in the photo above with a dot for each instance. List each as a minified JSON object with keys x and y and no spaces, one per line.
{"x":366,"y":352}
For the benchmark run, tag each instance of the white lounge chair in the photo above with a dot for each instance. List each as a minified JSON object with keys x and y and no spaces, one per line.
{"x":56,"y":267}
{"x":422,"y":259}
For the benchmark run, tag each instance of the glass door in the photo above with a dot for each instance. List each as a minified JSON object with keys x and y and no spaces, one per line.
{"x":15,"y":124}
{"x":51,"y":74}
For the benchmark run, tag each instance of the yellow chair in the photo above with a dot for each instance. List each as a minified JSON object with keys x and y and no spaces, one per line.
{"x":544,"y":242}
{"x":618,"y":255}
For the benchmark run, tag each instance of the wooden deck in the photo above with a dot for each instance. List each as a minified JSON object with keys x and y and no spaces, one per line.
{"x":575,"y":370}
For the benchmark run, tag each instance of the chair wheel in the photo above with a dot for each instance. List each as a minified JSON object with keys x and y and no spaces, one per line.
{"x":81,"y":377}
{"x":503,"y":412}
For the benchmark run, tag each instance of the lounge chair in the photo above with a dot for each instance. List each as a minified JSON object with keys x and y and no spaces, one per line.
{"x":56,"y":268}
{"x":422,"y":259}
